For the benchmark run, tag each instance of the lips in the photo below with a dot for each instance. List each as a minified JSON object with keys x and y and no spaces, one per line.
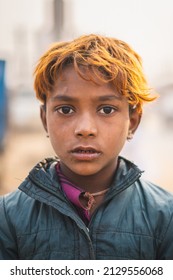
{"x":85,"y":153}
{"x":85,"y":150}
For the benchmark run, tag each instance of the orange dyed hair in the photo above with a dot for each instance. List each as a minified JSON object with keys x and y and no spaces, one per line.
{"x":107,"y":59}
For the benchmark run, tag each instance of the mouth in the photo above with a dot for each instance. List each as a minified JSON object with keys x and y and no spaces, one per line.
{"x":85,"y":153}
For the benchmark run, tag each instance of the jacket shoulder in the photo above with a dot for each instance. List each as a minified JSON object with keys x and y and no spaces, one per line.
{"x":12,"y":202}
{"x":154,"y":194}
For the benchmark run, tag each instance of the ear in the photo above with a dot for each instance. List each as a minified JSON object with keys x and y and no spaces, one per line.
{"x":135,"y":118}
{"x":43,"y":116}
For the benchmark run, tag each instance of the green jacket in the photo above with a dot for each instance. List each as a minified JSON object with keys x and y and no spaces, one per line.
{"x":135,"y":220}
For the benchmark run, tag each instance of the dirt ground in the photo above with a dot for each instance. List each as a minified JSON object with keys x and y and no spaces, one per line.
{"x":24,"y":148}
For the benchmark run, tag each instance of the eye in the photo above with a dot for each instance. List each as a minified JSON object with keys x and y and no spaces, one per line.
{"x":107,"y":110}
{"x":65,"y":110}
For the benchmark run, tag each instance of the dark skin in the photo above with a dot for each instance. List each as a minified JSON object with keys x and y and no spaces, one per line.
{"x":88,"y":125}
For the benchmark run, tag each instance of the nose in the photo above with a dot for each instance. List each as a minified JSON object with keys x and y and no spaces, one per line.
{"x":85,"y":126}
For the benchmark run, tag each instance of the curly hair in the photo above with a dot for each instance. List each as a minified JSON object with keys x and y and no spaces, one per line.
{"x":108,"y":60}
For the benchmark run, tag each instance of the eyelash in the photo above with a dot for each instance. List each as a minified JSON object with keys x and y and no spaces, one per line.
{"x":69,"y":108}
{"x":109,"y":108}
{"x":65,"y":107}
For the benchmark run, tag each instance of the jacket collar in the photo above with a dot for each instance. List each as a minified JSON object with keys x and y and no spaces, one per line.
{"x":126,"y":174}
{"x":42,"y":184}
{"x":44,"y":176}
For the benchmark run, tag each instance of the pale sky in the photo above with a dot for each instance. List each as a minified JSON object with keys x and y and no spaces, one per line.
{"x":145,"y":24}
{"x":15,"y":13}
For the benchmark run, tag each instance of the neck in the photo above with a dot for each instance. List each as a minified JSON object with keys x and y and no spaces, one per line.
{"x":91,"y":183}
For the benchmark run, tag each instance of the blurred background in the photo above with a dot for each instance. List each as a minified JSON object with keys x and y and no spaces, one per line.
{"x":27,"y":28}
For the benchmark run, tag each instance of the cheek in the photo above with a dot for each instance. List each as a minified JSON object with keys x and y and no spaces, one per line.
{"x":117,"y":130}
{"x":59,"y":134}
{"x":117,"y":135}
{"x":55,"y":126}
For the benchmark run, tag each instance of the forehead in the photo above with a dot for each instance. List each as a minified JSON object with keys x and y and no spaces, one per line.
{"x":82,"y":73}
{"x":72,"y":83}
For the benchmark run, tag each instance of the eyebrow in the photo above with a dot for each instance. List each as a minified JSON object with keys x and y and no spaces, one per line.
{"x":100,"y":98}
{"x":110,"y":97}
{"x":63,"y":98}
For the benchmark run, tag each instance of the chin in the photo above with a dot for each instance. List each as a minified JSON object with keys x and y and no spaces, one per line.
{"x":85,"y":170}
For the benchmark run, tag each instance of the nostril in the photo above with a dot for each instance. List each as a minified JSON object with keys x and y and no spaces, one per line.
{"x":85,"y":134}
{"x":85,"y":130}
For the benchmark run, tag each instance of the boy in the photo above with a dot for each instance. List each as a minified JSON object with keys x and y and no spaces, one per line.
{"x":89,"y":203}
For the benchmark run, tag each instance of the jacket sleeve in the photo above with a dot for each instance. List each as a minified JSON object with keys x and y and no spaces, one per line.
{"x":166,"y":248}
{"x":8,"y":245}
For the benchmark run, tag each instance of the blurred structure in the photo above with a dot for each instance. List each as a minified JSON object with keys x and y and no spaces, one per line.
{"x":58,"y":24}
{"x":3,"y":115}
{"x":3,"y":106}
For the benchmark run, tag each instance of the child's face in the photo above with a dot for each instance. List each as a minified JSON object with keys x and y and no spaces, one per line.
{"x":88,"y":124}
